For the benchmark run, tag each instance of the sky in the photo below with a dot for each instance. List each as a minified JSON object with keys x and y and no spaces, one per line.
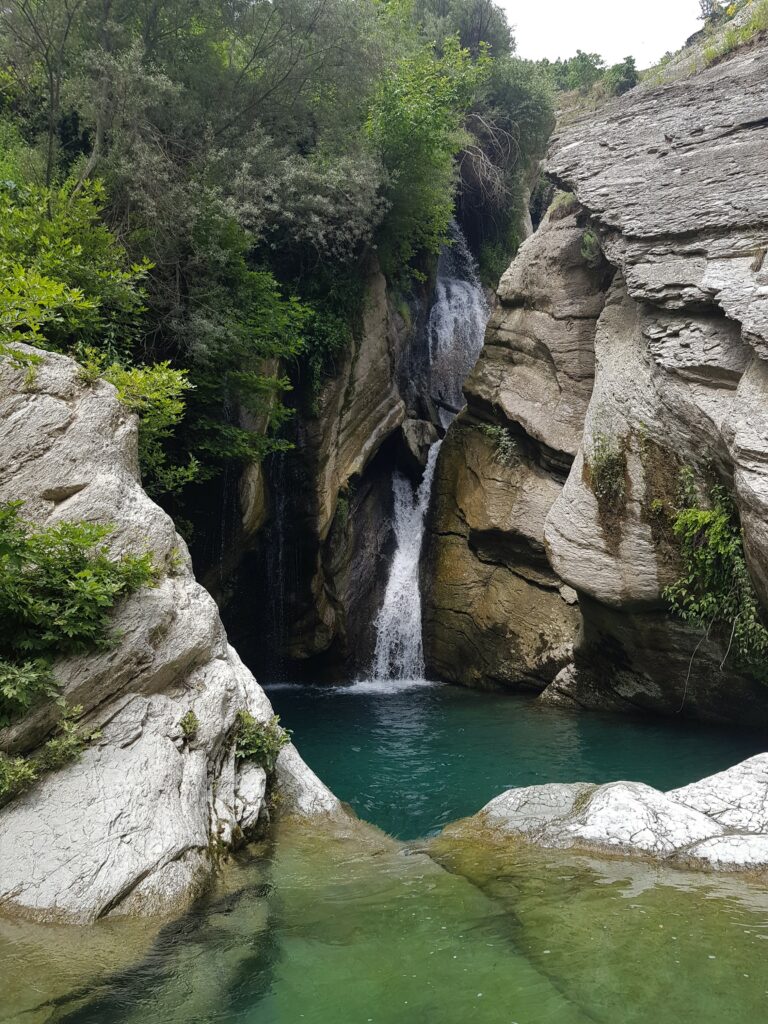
{"x":646,"y":29}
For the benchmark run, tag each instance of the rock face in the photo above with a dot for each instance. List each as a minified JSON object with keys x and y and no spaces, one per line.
{"x":719,"y":823}
{"x":630,"y":346}
{"x":495,"y":613}
{"x":675,"y":183}
{"x":324,"y":512}
{"x":136,"y":825}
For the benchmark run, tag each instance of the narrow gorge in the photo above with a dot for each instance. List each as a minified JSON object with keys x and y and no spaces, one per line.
{"x":383,"y":519}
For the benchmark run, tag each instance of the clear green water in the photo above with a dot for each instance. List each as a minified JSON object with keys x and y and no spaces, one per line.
{"x":345,"y":925}
{"x":410,"y":759}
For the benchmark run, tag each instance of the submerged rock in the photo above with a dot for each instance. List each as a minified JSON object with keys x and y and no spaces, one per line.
{"x":720,"y":823}
{"x":136,"y":825}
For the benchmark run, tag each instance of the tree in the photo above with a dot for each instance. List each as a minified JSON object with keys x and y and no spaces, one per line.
{"x":709,"y":9}
{"x":39,"y":35}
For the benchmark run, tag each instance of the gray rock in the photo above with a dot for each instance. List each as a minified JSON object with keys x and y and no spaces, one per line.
{"x":134,"y":826}
{"x":494,"y":611}
{"x":719,"y":823}
{"x":419,"y":436}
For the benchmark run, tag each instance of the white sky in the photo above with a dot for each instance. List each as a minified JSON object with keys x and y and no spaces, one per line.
{"x":614,"y":28}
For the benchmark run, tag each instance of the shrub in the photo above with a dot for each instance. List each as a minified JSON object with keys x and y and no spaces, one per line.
{"x":715,"y":592}
{"x":564,"y":204}
{"x":68,"y":743}
{"x":505,"y":447}
{"x":16,"y":775}
{"x":415,"y":124}
{"x":156,"y":394}
{"x":591,"y":252}
{"x":258,"y":741}
{"x":607,"y":467}
{"x":189,"y":725}
{"x":58,"y":585}
{"x":71,"y":280}
{"x":620,"y":78}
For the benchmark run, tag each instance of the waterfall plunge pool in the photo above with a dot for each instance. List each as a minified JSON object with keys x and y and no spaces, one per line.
{"x":412,"y":756}
{"x":318,"y":926}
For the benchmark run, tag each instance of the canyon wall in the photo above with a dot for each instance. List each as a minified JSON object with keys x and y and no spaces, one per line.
{"x":638,"y":344}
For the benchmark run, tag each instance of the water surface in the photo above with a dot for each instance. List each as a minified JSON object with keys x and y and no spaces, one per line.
{"x":410,"y":757}
{"x":342,"y":924}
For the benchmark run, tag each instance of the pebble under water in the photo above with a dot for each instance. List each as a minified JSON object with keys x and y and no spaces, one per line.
{"x":340,"y":925}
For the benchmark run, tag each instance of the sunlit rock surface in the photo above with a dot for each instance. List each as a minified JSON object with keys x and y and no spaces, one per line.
{"x":719,"y":823}
{"x":134,"y":826}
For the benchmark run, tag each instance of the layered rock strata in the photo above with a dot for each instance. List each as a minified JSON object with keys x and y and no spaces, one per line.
{"x":136,"y":825}
{"x":657,"y":267}
{"x":676,"y":186}
{"x":494,"y":612}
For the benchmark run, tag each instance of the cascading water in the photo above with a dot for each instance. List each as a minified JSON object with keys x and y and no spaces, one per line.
{"x":399,"y":653}
{"x":455,"y":336}
{"x":456,"y":325}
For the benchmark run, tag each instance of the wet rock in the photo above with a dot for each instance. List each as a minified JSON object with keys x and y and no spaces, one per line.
{"x":418,"y":436}
{"x":719,"y":823}
{"x":133,"y":826}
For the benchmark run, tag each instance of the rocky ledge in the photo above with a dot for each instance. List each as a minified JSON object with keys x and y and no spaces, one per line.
{"x":137,"y":825}
{"x":719,"y":823}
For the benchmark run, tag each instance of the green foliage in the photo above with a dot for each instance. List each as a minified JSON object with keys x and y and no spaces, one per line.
{"x":70,"y":279}
{"x":415,"y":123}
{"x":620,"y":78}
{"x":156,"y":394}
{"x":734,"y":36}
{"x":189,"y":725}
{"x":241,"y":331}
{"x":16,"y":775}
{"x":188,"y":186}
{"x":68,"y":743}
{"x":607,"y":463}
{"x":562,"y":205}
{"x":506,"y":451}
{"x":715,"y":592}
{"x":591,"y":252}
{"x":587,"y":73}
{"x":481,"y":25}
{"x":58,"y":585}
{"x":260,"y":742}
{"x":580,"y":72}
{"x":64,"y":747}
{"x":507,"y":126}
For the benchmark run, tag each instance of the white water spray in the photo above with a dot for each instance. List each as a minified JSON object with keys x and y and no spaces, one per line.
{"x":456,"y":326}
{"x":455,"y":336}
{"x":399,"y":651}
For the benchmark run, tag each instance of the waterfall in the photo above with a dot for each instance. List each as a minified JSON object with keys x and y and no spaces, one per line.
{"x":456,"y":325}
{"x":455,"y":334}
{"x":399,"y":652}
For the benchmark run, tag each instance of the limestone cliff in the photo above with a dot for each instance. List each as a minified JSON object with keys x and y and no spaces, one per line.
{"x":657,"y":352}
{"x":135,"y":826}
{"x":495,"y":612}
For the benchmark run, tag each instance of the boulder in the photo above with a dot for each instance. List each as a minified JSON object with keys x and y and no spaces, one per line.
{"x":719,"y":823}
{"x":136,"y":825}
